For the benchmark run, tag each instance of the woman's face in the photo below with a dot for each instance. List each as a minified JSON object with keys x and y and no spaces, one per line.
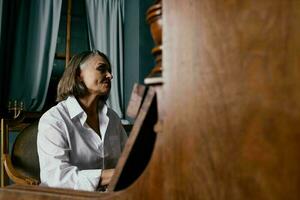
{"x":96,"y":75}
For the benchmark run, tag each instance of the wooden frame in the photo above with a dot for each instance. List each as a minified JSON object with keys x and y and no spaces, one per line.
{"x":4,"y":151}
{"x":67,"y":55}
{"x":14,"y":175}
{"x":6,"y":166}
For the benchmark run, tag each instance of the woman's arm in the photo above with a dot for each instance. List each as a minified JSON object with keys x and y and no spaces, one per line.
{"x":53,"y":151}
{"x":106,"y":176}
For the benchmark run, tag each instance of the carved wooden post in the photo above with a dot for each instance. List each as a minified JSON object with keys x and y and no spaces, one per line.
{"x":154,"y":18}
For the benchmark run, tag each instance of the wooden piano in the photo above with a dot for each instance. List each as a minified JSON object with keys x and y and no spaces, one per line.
{"x":223,"y":120}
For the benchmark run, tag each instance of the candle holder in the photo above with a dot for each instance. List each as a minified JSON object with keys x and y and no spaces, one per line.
{"x":15,"y":108}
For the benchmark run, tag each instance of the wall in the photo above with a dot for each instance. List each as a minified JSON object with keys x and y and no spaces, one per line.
{"x":138,"y":60}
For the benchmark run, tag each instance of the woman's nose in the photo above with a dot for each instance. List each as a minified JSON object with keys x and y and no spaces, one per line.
{"x":109,"y":75}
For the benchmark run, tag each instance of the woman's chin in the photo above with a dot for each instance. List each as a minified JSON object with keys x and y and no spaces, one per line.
{"x":104,"y":92}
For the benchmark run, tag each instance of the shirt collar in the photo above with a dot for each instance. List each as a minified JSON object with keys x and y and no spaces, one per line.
{"x":75,"y":109}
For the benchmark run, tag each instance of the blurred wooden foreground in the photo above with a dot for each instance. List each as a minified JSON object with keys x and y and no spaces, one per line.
{"x":231,"y":100}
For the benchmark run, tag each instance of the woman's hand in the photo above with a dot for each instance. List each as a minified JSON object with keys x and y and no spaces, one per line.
{"x":106,"y":176}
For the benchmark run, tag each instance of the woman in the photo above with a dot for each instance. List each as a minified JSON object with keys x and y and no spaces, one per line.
{"x":80,"y":139}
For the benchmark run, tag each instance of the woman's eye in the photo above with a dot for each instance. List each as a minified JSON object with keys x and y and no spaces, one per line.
{"x":101,"y":69}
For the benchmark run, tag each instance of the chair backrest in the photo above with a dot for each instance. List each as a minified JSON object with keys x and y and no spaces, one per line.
{"x":24,"y":154}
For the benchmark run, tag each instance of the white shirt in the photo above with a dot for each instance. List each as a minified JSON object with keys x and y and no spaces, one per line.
{"x":70,"y":152}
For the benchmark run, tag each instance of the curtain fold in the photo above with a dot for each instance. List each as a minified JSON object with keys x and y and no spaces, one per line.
{"x":8,"y":17}
{"x":36,"y":36}
{"x":1,"y":13}
{"x":105,"y":19}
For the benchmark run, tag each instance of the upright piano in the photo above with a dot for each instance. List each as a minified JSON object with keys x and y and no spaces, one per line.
{"x":220,"y":117}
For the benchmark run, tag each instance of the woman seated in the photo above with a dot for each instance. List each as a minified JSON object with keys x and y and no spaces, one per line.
{"x":80,"y":139}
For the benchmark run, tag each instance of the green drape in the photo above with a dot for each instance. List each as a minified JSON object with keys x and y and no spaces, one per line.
{"x":8,"y":18}
{"x":36,"y":35}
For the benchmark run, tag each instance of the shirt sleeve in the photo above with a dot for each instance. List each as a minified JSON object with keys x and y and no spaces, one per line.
{"x":55,"y":168}
{"x":123,"y":136}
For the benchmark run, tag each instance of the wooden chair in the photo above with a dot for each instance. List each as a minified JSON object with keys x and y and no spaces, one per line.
{"x":22,"y":165}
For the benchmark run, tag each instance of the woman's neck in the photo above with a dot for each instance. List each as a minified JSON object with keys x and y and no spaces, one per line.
{"x":89,"y":104}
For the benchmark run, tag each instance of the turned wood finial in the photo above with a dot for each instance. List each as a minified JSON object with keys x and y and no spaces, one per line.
{"x":154,"y":18}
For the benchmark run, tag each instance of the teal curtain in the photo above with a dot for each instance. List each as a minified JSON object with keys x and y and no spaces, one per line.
{"x":9,"y":10}
{"x":105,"y":19}
{"x":1,"y":8}
{"x":34,"y":50}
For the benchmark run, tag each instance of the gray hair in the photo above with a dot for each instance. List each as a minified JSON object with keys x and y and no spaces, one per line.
{"x":69,"y":83}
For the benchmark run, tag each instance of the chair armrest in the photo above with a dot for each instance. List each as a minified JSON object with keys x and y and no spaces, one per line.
{"x":14,"y":175}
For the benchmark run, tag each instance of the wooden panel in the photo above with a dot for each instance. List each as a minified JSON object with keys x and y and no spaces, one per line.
{"x":233,"y":69}
{"x":44,"y":193}
{"x":136,"y":99}
{"x":230,"y":126}
{"x":139,"y":146}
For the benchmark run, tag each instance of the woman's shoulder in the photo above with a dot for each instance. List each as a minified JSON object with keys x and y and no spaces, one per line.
{"x":112,"y":114}
{"x":56,"y":113}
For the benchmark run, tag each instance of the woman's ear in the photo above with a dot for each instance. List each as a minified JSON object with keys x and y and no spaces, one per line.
{"x":78,"y":74}
{"x":82,"y":86}
{"x":79,"y":77}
